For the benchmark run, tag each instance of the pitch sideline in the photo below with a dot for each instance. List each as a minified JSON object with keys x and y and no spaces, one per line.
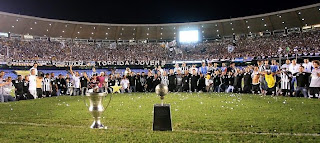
{"x":182,"y":131}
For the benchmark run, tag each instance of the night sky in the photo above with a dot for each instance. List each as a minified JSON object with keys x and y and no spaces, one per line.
{"x":145,"y":12}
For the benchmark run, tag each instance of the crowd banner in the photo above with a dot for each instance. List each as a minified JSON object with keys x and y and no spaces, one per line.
{"x":131,"y":63}
{"x":87,"y":63}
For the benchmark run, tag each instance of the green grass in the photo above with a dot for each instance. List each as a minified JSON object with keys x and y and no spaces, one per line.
{"x":197,"y":117}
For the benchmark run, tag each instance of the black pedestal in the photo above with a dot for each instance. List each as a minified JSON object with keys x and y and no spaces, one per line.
{"x":162,"y":117}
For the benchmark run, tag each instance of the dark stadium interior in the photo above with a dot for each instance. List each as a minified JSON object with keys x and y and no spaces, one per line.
{"x":145,"y":12}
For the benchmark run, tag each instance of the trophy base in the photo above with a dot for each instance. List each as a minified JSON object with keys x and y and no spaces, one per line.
{"x":162,"y":117}
{"x":96,"y":125}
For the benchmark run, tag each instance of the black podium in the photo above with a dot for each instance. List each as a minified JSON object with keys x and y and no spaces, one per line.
{"x":162,"y":117}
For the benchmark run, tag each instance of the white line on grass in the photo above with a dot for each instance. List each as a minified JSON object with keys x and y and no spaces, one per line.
{"x":184,"y":131}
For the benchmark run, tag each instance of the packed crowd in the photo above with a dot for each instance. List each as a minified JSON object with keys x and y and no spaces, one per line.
{"x":306,"y":43}
{"x":69,"y":51}
{"x":290,"y":79}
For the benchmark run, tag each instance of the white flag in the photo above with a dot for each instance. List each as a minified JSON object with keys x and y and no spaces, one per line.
{"x":230,"y":48}
{"x":113,"y":45}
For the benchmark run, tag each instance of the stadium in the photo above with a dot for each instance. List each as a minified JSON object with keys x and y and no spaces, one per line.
{"x":253,"y":78}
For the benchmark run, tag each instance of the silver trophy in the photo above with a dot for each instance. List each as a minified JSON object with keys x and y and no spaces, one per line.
{"x":96,"y":108}
{"x":161,"y":90}
{"x":162,"y":112}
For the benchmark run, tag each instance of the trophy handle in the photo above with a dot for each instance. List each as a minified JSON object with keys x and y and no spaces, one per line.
{"x":86,"y":103}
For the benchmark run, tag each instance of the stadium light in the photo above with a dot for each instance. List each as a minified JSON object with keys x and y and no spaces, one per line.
{"x":31,"y":28}
{"x":265,"y":25}
{"x":106,"y":33}
{"x":92,"y":33}
{"x":248,"y":27}
{"x":189,"y":36}
{"x":246,"y":21}
{"x":35,"y":22}
{"x":160,"y":33}
{"x":108,"y":28}
{"x":262,"y":19}
{"x":47,"y":30}
{"x":17,"y":20}
{"x":49,"y":24}
{"x":302,"y":19}
{"x":12,"y":26}
{"x":299,"y":13}
{"x":78,"y":32}
{"x":62,"y":31}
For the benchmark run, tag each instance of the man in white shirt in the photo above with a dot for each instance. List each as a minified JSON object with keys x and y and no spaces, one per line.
{"x":315,"y":79}
{"x":33,"y":84}
{"x":35,"y":66}
{"x":3,"y":84}
{"x":76,"y":79}
{"x":293,"y":68}
{"x":176,"y":68}
{"x":286,"y":65}
{"x":125,"y":84}
{"x":194,"y":67}
{"x":307,"y":65}
{"x":7,"y":90}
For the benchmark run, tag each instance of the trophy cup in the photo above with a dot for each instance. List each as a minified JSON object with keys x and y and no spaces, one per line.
{"x":96,"y":108}
{"x":162,"y":113}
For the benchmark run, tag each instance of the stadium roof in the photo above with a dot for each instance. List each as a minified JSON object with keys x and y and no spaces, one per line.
{"x":286,"y":19}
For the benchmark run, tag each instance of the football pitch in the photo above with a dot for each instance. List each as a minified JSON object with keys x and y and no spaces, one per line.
{"x":196,"y":117}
